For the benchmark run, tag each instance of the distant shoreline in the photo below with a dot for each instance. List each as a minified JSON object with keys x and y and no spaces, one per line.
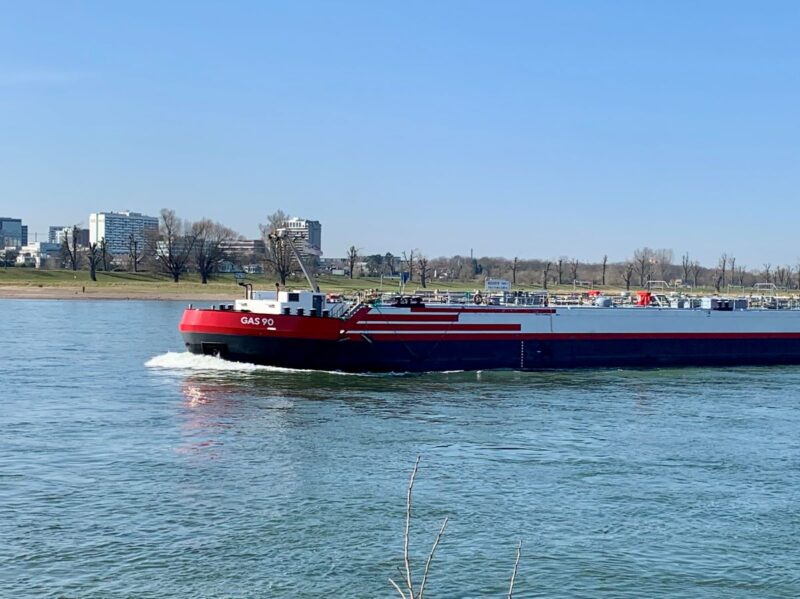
{"x":26,"y":292}
{"x":27,"y":283}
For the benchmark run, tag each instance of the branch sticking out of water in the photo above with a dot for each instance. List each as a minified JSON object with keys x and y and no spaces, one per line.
{"x":406,"y":559}
{"x":409,"y":592}
{"x":514,"y":573}
{"x":430,"y":558}
{"x":406,"y":541}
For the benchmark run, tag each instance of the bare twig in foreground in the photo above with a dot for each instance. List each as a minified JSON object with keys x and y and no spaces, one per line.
{"x":407,"y":534}
{"x":430,"y":559}
{"x":406,"y":541}
{"x":514,"y":574}
{"x":409,"y":592}
{"x":399,"y":590}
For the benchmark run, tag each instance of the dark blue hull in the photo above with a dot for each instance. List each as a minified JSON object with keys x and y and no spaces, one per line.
{"x":426,"y":356}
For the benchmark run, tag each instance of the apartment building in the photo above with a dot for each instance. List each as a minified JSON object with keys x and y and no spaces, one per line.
{"x":117,"y":228}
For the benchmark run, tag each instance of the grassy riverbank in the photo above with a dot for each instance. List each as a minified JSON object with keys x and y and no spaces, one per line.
{"x":66,"y":284}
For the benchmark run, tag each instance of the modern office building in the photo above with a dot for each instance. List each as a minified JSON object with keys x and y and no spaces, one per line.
{"x":53,"y":231}
{"x":66,"y":233}
{"x":11,"y":233}
{"x":310,"y":232}
{"x":117,"y":228}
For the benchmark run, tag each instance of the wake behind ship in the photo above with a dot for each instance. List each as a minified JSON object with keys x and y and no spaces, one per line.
{"x":309,"y":330}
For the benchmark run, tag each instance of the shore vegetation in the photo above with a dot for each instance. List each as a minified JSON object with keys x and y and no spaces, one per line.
{"x":185,"y":259}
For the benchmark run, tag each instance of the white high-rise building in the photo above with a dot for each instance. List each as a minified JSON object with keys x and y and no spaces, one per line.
{"x":117,"y":227}
{"x":310,"y":231}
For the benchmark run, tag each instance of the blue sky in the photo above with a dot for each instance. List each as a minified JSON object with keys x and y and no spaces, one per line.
{"x":530,"y":129}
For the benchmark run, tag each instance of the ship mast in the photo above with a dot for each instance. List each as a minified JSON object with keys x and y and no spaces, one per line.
{"x":283,"y":235}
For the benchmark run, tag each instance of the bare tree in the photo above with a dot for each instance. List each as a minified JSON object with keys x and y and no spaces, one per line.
{"x":695,"y":268}
{"x":408,"y":258}
{"x":723,"y":263}
{"x":605,"y":267}
{"x":280,"y":256}
{"x":210,"y":240}
{"x":456,"y":267}
{"x":69,"y":247}
{"x":733,"y":270}
{"x":663,"y":259}
{"x":719,"y":277}
{"x":424,"y":270}
{"x":546,"y":273}
{"x":783,"y":275}
{"x":767,"y":273}
{"x":643,"y":264}
{"x":174,"y":244}
{"x":352,"y":258}
{"x":94,"y":258}
{"x":740,"y":272}
{"x":105,"y":257}
{"x":573,"y":269}
{"x":560,"y":269}
{"x":135,"y":252}
{"x":627,"y":274}
{"x":686,"y":264}
{"x":514,"y":266}
{"x":389,"y":263}
{"x":277,"y":220}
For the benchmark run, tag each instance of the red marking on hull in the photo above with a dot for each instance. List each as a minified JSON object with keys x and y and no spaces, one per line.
{"x":445,"y":336}
{"x":378,"y":316}
{"x":408,"y":326}
{"x":487,"y":310}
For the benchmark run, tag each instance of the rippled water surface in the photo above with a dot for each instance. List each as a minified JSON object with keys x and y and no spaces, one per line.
{"x":131,"y":469}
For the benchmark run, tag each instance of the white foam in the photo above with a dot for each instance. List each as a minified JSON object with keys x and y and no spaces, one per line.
{"x":196,"y":362}
{"x":188,"y":361}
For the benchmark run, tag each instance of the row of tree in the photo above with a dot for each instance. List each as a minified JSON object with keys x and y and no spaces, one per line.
{"x":177,"y":247}
{"x":180,"y":246}
{"x":645,"y":267}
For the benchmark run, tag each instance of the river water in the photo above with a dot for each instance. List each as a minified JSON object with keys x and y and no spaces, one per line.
{"x":131,"y":469}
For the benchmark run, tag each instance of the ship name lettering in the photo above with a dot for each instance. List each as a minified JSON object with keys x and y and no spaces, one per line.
{"x":256,"y":320}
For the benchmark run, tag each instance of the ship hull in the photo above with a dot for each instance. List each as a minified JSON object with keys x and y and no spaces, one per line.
{"x":447,"y":339}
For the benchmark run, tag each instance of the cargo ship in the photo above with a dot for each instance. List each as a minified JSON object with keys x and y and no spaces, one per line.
{"x":511,"y":331}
